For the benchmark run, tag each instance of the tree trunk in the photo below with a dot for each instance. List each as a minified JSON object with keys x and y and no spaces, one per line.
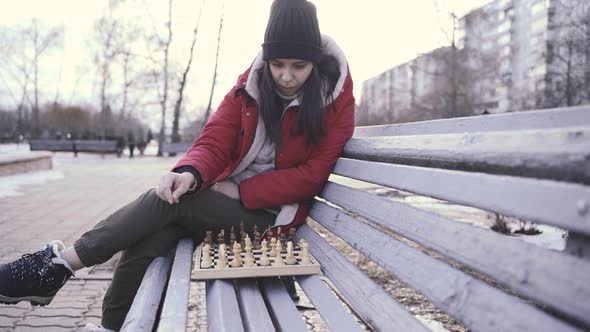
{"x":164,"y":100}
{"x":178,"y":105}
{"x":208,"y":112}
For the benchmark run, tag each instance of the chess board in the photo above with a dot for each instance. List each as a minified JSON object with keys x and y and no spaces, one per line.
{"x":229,"y":272}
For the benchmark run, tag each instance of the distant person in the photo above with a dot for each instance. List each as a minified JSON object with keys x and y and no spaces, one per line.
{"x":262,"y":157}
{"x":131,"y":143}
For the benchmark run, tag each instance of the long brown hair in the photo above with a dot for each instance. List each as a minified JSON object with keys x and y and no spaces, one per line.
{"x":321,"y":82}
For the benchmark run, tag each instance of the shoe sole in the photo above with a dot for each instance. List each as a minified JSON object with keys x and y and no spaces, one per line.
{"x":34,"y":300}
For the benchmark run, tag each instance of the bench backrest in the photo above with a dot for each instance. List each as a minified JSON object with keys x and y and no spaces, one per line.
{"x":180,"y":147}
{"x":532,"y":165}
{"x":74,"y":145}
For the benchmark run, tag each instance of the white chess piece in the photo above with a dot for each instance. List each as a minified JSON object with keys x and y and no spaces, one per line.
{"x":290,"y":260}
{"x":264,"y":261}
{"x":222,"y":259}
{"x":273,"y":247}
{"x":305,"y":252}
{"x":237,"y":261}
{"x":206,"y":262}
{"x":278,"y":260}
{"x":248,"y":258}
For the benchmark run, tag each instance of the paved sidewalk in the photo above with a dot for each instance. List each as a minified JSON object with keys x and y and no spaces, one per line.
{"x":91,"y":188}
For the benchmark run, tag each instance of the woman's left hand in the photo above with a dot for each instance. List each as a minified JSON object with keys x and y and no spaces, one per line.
{"x":227,"y":188}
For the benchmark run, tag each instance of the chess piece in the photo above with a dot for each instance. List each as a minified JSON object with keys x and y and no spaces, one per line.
{"x":282,"y":236}
{"x":209,"y":238}
{"x":222,"y":257}
{"x":264,"y":261}
{"x":242,"y":233}
{"x":279,"y":246}
{"x":237,"y":261}
{"x":232,"y":235}
{"x":290,"y":260}
{"x":256,"y":238}
{"x":279,"y":258}
{"x":221,"y":237}
{"x":291,"y":237}
{"x":206,"y":259}
{"x":305,"y":259}
{"x":248,"y":258}
{"x":273,"y":247}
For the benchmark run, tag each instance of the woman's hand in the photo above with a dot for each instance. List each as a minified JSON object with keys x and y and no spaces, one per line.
{"x":227,"y":188}
{"x":173,"y":185}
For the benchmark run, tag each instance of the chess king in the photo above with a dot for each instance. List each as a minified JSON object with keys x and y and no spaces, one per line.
{"x":261,"y":158}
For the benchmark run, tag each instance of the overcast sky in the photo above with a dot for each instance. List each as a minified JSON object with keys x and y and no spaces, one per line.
{"x":374,"y":34}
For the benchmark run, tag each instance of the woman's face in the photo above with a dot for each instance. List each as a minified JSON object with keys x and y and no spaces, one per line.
{"x":290,"y":74}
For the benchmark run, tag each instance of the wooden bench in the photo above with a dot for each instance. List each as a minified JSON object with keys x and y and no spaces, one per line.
{"x":533,"y":165}
{"x":54,"y":145}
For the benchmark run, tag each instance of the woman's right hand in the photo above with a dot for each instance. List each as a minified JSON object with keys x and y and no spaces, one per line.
{"x":173,"y":185}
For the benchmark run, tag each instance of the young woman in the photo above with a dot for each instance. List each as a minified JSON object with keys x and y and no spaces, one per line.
{"x":262,"y":157}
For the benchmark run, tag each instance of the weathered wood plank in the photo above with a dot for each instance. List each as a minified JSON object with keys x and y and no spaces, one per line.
{"x":175,"y":309}
{"x":561,"y":204}
{"x":285,"y":315}
{"x":539,"y":119}
{"x":478,"y":305}
{"x":329,"y":307}
{"x":557,"y":280}
{"x":223,"y":312}
{"x":142,"y":314}
{"x":375,"y":306}
{"x":559,"y":154}
{"x":254,"y":312}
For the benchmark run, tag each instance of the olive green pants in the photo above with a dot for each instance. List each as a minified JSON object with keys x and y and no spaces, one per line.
{"x":150,"y":227}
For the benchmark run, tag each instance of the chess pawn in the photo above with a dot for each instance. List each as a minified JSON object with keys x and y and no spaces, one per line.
{"x":209,"y":237}
{"x":279,"y":247}
{"x":221,"y":238}
{"x":279,"y":259}
{"x":206,"y":259}
{"x":304,"y":252}
{"x":290,"y":260}
{"x":256,"y":238}
{"x":264,"y":261}
{"x":292,"y":235}
{"x":273,"y":247}
{"x":282,"y":236}
{"x":237,"y":261}
{"x":249,"y":258}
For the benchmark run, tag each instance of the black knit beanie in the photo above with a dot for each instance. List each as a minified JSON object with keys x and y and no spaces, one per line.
{"x":292,"y":32}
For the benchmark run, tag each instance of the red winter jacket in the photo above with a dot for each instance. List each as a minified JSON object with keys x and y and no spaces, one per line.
{"x":300,"y":170}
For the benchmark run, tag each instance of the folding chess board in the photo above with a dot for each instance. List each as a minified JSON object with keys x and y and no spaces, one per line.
{"x":257,"y":270}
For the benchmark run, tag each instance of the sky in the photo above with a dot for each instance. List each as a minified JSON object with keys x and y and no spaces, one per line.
{"x":375,"y":35}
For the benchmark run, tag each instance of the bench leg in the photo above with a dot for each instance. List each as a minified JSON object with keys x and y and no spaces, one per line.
{"x":289,"y":283}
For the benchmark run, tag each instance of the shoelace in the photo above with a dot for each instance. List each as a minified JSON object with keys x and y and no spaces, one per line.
{"x":31,"y":266}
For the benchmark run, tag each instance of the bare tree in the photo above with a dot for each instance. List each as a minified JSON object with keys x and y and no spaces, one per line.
{"x":568,"y":55}
{"x":208,"y":111}
{"x":182,"y":83}
{"x":164,"y":99}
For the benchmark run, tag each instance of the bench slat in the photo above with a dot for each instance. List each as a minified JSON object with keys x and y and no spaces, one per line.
{"x":369,"y":300}
{"x":554,"y":280}
{"x":552,"y":118}
{"x":285,"y":315}
{"x":329,"y":307}
{"x":142,"y":314}
{"x":174,"y":311}
{"x":545,"y":202}
{"x":255,"y":315}
{"x":559,"y":154}
{"x":478,"y":305}
{"x":223,"y":313}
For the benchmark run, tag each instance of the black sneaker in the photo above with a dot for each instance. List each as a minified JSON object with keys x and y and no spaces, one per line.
{"x":35,"y":277}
